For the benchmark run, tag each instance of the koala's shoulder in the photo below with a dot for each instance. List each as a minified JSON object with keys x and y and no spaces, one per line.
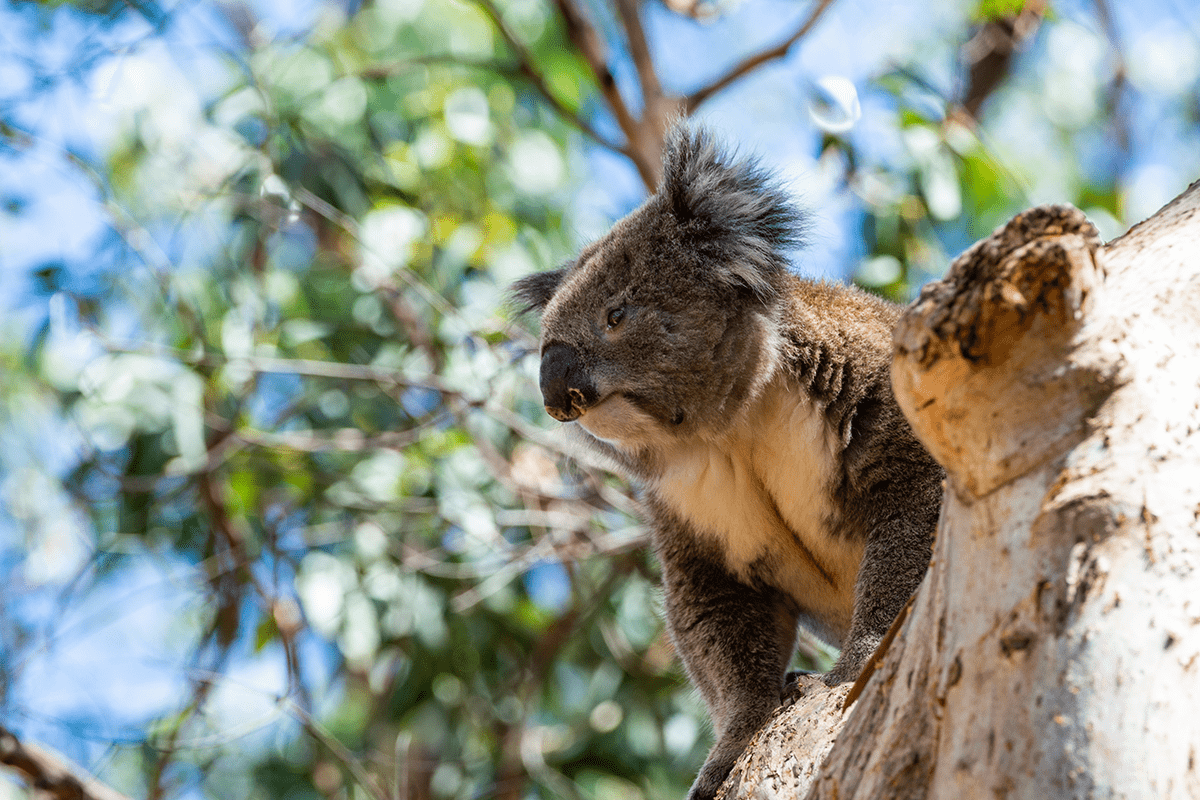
{"x":826,"y":326}
{"x":829,"y":312}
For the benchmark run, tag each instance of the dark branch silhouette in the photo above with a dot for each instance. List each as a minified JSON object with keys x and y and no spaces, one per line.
{"x":529,"y":70}
{"x":51,"y":773}
{"x":694,"y":100}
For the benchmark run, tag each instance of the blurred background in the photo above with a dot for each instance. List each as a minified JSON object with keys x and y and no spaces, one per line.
{"x":281,"y":515}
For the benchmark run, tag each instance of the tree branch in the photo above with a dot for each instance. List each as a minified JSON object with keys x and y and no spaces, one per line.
{"x":990,"y":51}
{"x":693,"y":101}
{"x":339,"y":751}
{"x":342,"y":440}
{"x":639,"y":49}
{"x":525,"y":65}
{"x":51,"y":773}
{"x":591,"y":46}
{"x":1120,"y":75}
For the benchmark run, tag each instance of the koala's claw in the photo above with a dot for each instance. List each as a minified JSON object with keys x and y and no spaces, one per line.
{"x":796,"y":683}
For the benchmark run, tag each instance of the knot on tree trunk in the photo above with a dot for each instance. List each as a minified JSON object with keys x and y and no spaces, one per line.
{"x":993,"y":292}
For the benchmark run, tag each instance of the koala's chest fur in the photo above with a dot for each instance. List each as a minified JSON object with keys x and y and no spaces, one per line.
{"x":761,"y":493}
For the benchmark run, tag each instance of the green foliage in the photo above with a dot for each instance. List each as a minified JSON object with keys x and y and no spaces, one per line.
{"x":377,"y":186}
{"x":998,"y":9}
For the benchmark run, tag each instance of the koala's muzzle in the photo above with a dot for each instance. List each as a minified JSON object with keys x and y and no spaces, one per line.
{"x":567,"y":389}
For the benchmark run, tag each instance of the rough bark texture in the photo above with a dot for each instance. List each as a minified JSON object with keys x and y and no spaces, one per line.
{"x":1052,"y":651}
{"x":784,"y":757}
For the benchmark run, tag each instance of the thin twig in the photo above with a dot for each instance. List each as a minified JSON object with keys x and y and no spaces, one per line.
{"x":436,"y":562}
{"x":344,"y":440}
{"x":989,"y":54}
{"x":694,"y":100}
{"x":400,"y":775}
{"x":534,"y":76}
{"x":335,"y":369}
{"x":350,"y":226}
{"x":590,"y":44}
{"x":639,"y":50}
{"x":513,"y":766}
{"x":1120,"y":79}
{"x":339,"y":751}
{"x":226,"y":585}
{"x":385,"y":70}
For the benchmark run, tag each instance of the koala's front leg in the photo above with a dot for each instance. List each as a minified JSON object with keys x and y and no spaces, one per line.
{"x":736,"y":641}
{"x":893,"y":564}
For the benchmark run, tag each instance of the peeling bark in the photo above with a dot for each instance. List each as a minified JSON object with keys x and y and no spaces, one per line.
{"x":1052,"y":650}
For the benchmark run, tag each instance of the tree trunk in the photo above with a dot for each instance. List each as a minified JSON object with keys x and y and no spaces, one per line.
{"x":1052,"y":650}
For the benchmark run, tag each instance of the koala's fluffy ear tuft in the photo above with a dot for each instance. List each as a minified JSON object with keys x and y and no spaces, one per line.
{"x":734,"y":208}
{"x":533,"y":292}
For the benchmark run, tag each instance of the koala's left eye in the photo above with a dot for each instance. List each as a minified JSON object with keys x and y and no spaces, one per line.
{"x":615,"y":316}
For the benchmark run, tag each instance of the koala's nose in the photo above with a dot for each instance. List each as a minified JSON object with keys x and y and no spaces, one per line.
{"x":567,"y":390}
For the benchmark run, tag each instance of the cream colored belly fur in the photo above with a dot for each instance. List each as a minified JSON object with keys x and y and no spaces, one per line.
{"x":759,"y":489}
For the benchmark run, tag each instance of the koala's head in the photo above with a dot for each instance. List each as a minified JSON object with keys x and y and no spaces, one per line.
{"x":665,"y":326}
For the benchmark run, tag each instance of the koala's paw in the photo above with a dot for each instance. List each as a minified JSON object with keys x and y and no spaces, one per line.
{"x":795,"y":684}
{"x":717,"y":768}
{"x":855,"y":655}
{"x":841,"y":673}
{"x":707,"y":783}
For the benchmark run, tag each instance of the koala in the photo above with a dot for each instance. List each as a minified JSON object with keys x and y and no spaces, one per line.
{"x":753,"y":410}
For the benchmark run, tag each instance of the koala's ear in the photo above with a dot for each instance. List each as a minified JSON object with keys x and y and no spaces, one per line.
{"x":533,"y":292}
{"x":733,"y":208}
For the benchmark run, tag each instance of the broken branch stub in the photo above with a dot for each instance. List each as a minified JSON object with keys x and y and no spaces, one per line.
{"x":981,"y":369}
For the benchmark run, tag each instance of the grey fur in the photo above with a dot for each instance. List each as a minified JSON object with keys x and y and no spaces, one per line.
{"x":754,"y":410}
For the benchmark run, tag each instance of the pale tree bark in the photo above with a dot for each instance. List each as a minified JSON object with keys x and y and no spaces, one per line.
{"x":50,"y":774}
{"x":1053,"y":650}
